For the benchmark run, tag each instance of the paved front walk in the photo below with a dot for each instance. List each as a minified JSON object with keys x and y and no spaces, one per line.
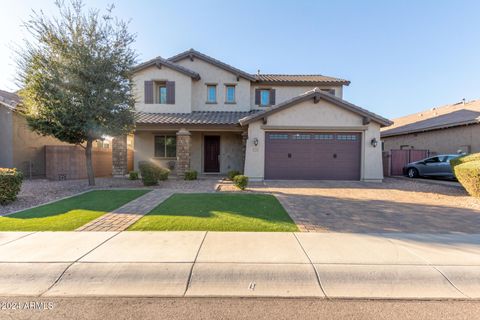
{"x":242,"y":264}
{"x":125,"y":216}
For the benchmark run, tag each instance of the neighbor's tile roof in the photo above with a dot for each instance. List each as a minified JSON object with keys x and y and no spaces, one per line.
{"x":299,"y":79}
{"x":9,"y":99}
{"x":196,"y":117}
{"x":436,"y":118}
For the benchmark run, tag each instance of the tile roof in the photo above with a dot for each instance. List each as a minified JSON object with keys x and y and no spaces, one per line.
{"x":218,"y":63}
{"x":436,"y":118}
{"x":299,"y":79}
{"x":194,"y":118}
{"x":9,"y":99}
{"x":159,"y":61}
{"x":316,"y":94}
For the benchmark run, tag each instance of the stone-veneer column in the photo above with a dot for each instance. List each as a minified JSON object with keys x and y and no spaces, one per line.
{"x":183,"y":151}
{"x":244,"y":148}
{"x":119,"y":156}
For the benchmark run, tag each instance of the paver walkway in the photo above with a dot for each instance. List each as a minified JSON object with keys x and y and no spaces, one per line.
{"x":125,"y":216}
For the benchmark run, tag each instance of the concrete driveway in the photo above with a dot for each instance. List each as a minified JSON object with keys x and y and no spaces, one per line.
{"x":396,"y":205}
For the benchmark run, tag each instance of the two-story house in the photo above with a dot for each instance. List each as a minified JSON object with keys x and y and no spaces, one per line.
{"x":196,"y":112}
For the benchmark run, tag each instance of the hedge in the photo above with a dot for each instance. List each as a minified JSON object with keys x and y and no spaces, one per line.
{"x":10,"y":185}
{"x":231,"y":174}
{"x":191,"y":175}
{"x":152,"y":173}
{"x":467,"y":172}
{"x":240,"y":181}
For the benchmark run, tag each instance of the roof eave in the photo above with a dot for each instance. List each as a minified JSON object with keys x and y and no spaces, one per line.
{"x":444,"y":126}
{"x":156,"y":62}
{"x":218,"y":63}
{"x":317,"y":95}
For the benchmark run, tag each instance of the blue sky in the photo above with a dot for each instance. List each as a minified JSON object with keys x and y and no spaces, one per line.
{"x":401,"y":56}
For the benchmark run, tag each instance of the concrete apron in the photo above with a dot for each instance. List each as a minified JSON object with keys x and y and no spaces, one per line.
{"x":240,"y":264}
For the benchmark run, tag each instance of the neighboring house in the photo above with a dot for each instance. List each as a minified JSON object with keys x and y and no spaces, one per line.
{"x":40,"y":156}
{"x":452,"y":128}
{"x":20,"y":147}
{"x":196,"y":112}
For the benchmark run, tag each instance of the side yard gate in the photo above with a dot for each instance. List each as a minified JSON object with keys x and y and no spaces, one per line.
{"x":395,"y":160}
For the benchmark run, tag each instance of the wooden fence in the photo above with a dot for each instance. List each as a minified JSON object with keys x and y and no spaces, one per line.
{"x":68,"y":162}
{"x":395,"y":160}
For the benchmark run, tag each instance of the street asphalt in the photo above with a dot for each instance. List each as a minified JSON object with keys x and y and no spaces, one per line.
{"x":237,"y":308}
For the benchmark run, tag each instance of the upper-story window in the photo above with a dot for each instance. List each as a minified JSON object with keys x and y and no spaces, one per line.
{"x":264,"y":97}
{"x":162,"y":94}
{"x":159,"y":92}
{"x":230,"y":94}
{"x":211,"y":93}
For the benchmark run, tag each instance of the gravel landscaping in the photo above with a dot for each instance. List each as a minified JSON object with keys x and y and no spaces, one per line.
{"x":40,"y":191}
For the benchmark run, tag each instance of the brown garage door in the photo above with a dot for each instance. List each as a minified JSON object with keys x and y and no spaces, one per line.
{"x":312,"y":155}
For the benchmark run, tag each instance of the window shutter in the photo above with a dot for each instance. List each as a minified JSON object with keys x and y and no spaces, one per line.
{"x":272,"y":97}
{"x":257,"y":96}
{"x":170,"y":92}
{"x":148,"y":86}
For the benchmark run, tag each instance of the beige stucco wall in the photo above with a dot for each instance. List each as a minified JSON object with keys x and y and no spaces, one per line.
{"x":211,"y":74}
{"x":283,"y":93}
{"x":183,"y":90}
{"x":29,"y":147}
{"x":231,"y":156}
{"x":324,"y":116}
{"x":440,"y":141}
{"x":6,"y":140}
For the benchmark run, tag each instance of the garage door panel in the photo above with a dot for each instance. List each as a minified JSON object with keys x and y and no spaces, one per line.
{"x":318,"y":155}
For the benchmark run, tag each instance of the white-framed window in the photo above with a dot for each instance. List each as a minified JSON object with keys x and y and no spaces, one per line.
{"x":211,"y":93}
{"x":299,"y":136}
{"x":229,"y":93}
{"x":278,"y":136}
{"x":165,"y":146}
{"x":323,"y":136}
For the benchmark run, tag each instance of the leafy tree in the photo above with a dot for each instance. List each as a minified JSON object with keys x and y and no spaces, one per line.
{"x":76,"y":76}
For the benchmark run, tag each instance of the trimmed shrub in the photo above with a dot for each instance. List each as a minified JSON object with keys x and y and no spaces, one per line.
{"x":10,"y":185}
{"x":148,"y":171}
{"x":240,"y":181}
{"x":133,"y":175}
{"x":465,"y":159}
{"x":191,"y":175}
{"x":163,"y":174}
{"x":467,"y":171}
{"x":232,"y":174}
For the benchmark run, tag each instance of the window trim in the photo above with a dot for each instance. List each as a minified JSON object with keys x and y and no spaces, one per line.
{"x":234,"y":86}
{"x":165,"y":146}
{"x":214,"y":85}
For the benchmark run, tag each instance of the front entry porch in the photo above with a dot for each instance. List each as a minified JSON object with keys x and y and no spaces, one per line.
{"x":209,"y":152}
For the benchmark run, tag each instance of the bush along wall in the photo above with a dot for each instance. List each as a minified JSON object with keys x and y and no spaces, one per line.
{"x":467,"y":171}
{"x":10,"y":185}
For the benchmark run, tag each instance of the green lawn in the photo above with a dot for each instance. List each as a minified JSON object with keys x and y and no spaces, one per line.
{"x":69,"y":214}
{"x":217,"y":212}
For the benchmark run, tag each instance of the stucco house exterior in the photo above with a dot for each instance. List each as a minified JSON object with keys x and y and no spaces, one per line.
{"x":196,"y":112}
{"x":453,"y":128}
{"x":20,"y":147}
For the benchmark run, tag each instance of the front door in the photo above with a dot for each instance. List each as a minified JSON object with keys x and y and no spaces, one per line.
{"x":211,"y":161}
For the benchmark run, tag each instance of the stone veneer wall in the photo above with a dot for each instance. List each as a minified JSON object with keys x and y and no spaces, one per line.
{"x":119,"y":156}
{"x":183,"y":152}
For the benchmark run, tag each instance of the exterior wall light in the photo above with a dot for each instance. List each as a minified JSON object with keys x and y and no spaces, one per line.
{"x":255,"y":142}
{"x":374,"y":142}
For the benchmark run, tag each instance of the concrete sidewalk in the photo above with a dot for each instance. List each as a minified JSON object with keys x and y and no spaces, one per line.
{"x":199,"y":264}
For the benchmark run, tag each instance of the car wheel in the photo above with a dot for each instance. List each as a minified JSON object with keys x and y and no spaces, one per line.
{"x":412,"y":173}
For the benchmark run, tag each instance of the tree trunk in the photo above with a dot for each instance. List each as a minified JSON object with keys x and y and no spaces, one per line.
{"x":88,"y":155}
